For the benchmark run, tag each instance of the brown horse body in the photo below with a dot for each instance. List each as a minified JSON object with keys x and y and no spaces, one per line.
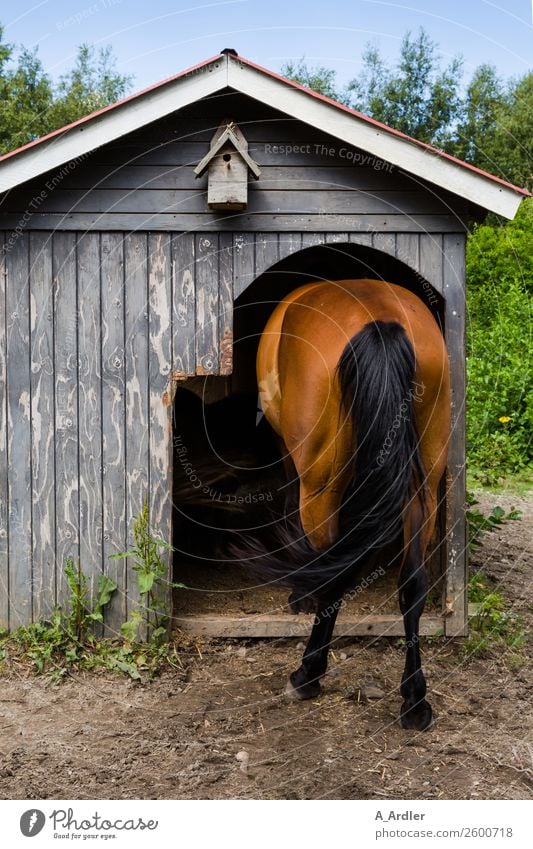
{"x":299,"y":357}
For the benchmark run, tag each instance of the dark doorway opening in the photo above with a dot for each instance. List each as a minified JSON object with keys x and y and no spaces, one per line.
{"x":228,"y":467}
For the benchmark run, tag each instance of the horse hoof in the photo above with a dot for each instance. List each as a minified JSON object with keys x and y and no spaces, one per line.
{"x":303,"y":692}
{"x":306,"y":604}
{"x":418,"y":717}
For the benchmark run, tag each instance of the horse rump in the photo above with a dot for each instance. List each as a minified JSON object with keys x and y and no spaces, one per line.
{"x":376,"y":374}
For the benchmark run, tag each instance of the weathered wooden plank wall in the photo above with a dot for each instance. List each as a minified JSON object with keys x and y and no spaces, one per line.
{"x":184,"y":304}
{"x":454,"y":283}
{"x":85,"y":371}
{"x":90,"y":406}
{"x":113,"y":417}
{"x":4,"y":502}
{"x":160,"y":377}
{"x":93,"y":329}
{"x":43,"y":414}
{"x":137,"y":398}
{"x":66,"y":403}
{"x":19,"y":431}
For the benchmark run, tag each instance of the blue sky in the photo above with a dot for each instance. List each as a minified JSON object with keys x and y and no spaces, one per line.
{"x":153,"y":40}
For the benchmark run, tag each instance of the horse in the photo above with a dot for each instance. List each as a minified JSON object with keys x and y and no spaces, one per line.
{"x":353,"y":377}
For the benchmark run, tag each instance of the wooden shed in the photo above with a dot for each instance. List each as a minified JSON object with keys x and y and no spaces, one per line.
{"x":118,"y":281}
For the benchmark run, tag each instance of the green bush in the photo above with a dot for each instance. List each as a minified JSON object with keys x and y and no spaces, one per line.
{"x":500,"y":386}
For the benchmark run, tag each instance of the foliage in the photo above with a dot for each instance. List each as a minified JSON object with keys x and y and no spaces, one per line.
{"x":500,"y":385}
{"x":25,"y":97}
{"x":511,"y":149}
{"x":80,"y":617}
{"x":92,"y":84}
{"x":496,"y":126}
{"x":318,"y":78}
{"x":477,"y":125}
{"x":417,"y":96}
{"x":152,"y":580}
{"x":494,"y":625}
{"x":502,"y":254}
{"x":31,"y":105}
{"x":479,"y":524}
{"x":68,"y":641}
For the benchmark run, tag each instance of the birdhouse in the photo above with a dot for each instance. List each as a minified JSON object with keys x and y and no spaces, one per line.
{"x":227,"y":164}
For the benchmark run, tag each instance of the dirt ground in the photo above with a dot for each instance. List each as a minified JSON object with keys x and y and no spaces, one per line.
{"x":98,"y":736}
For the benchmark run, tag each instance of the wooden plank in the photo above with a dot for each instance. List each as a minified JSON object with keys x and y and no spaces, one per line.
{"x":42,"y":425}
{"x":243,"y":262}
{"x":160,"y":379}
{"x":183,"y":304}
{"x":225,"y":303}
{"x":207,"y":341}
{"x":408,"y":250}
{"x":266,"y":252}
{"x":363,"y":239}
{"x":385,"y":243}
{"x":19,"y":431}
{"x":336,"y":238}
{"x":137,"y":391}
{"x":457,"y":571}
{"x":287,"y":625}
{"x":323,"y":177}
{"x":266,"y":126}
{"x":113,"y":422}
{"x":191,"y":201}
{"x":289,"y":243}
{"x":4,"y":460}
{"x":66,"y":406}
{"x":188,"y":152}
{"x":431,"y":259}
{"x":311,"y":240}
{"x":90,"y":409}
{"x":209,"y":221}
{"x":278,"y":177}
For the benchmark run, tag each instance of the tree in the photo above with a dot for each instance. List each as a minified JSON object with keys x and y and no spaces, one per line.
{"x":31,"y":106}
{"x":416,"y":96}
{"x":317,"y":78}
{"x":25,"y":97}
{"x":92,"y":84}
{"x":478,"y":122}
{"x":511,"y":148}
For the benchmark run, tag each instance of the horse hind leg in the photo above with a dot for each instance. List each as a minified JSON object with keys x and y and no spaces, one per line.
{"x":318,"y":510}
{"x":319,"y":515}
{"x":416,"y":712}
{"x":305,"y":682}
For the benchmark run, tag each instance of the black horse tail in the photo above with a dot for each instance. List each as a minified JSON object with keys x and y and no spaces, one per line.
{"x":376,"y":373}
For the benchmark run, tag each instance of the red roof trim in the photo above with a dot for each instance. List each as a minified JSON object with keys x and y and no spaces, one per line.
{"x":284,"y":80}
{"x":111,"y":106}
{"x":384,"y":127}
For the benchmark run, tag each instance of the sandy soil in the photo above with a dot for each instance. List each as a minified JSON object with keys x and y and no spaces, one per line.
{"x":97,"y":736}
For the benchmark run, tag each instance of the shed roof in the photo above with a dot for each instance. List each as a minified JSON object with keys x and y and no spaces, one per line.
{"x":227,"y":70}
